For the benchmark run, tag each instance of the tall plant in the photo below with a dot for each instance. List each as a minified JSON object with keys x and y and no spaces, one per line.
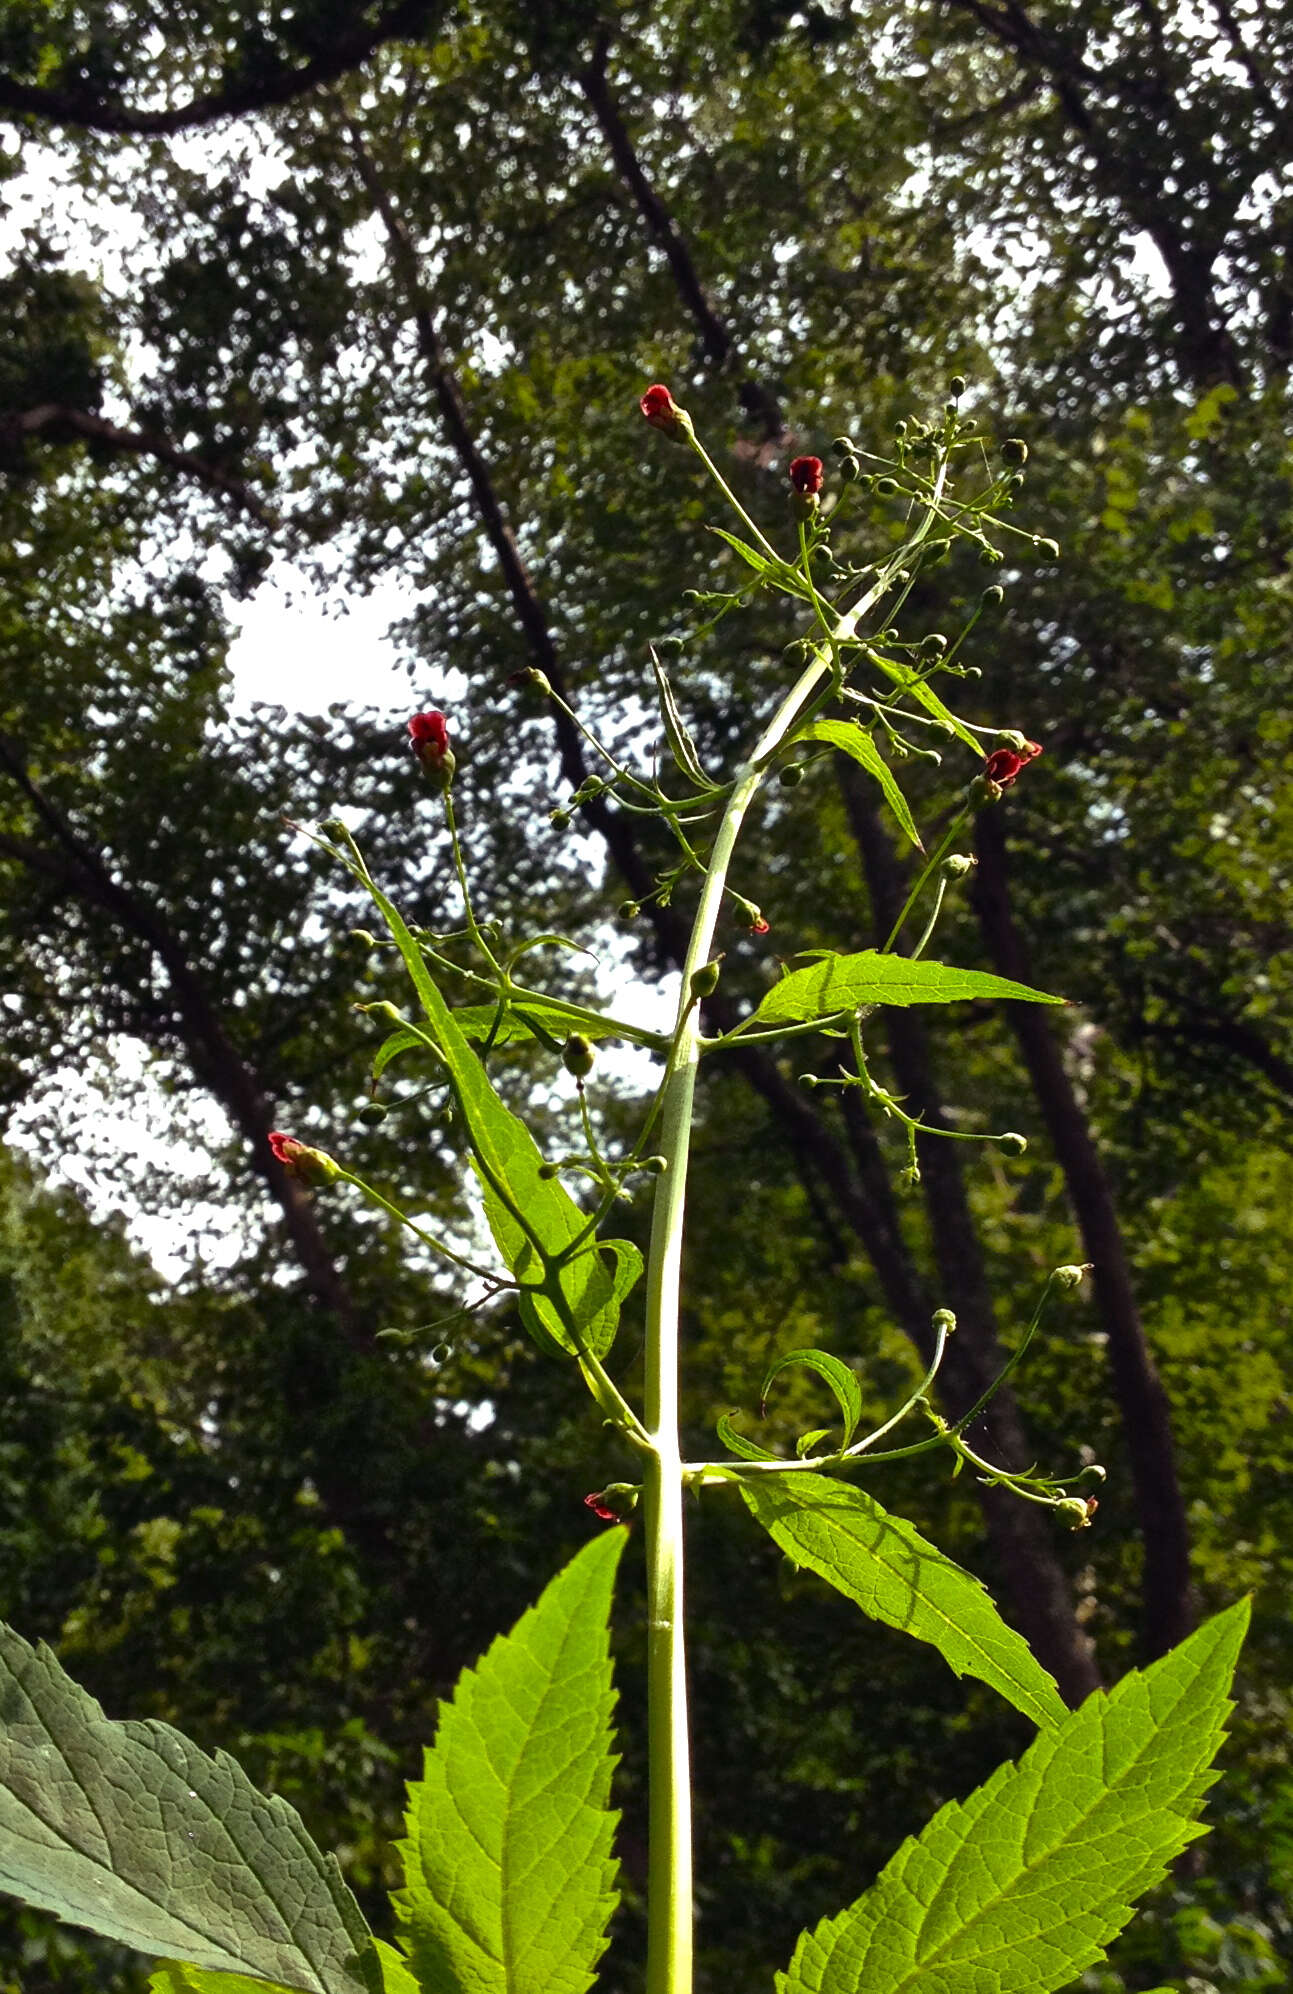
{"x":509,"y":1879}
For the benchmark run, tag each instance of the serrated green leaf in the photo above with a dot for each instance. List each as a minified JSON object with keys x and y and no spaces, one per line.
{"x":131,"y":1831}
{"x":844,"y":983}
{"x":475,"y":1020}
{"x":886,"y":1567}
{"x":854,"y":741}
{"x":842,"y":1381}
{"x":1021,"y":1887}
{"x":509,"y":1876}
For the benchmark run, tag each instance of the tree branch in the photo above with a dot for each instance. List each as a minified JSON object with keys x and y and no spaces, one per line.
{"x":61,"y":424}
{"x":84,"y":109}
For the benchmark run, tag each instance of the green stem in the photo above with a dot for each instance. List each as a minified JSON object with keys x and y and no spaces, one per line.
{"x":669,"y":1869}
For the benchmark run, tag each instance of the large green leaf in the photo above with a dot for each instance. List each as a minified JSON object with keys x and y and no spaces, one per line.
{"x":844,"y":983}
{"x":886,"y":1567}
{"x":131,"y":1831}
{"x":853,"y":740}
{"x":1020,"y":1888}
{"x":176,"y":1976}
{"x":509,"y":1877}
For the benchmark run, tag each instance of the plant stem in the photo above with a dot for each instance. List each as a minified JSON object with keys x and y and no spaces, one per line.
{"x":669,"y":1868}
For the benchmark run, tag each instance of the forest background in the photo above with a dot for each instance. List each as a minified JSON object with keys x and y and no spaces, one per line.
{"x":376,"y":293}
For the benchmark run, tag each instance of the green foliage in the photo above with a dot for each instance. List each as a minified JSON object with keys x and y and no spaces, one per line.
{"x":840,"y":984}
{"x":1019,"y":1888}
{"x":888,"y":1569}
{"x":509,"y":1880}
{"x":131,"y":1830}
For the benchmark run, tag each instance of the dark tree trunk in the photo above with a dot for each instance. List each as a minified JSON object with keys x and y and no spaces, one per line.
{"x":1142,"y":1399}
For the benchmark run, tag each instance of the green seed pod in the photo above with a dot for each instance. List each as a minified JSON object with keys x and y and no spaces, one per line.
{"x":560,"y":820}
{"x":1012,"y":1143}
{"x":655,"y":1166}
{"x":373,"y":1115}
{"x":705,"y":981}
{"x":1051,"y":548}
{"x":629,"y":910}
{"x":957,"y":384}
{"x":334,"y":827}
{"x":991,"y":597}
{"x":956,"y":865}
{"x":843,"y":446}
{"x":850,"y":470}
{"x":990,"y":557}
{"x":944,"y":1319}
{"x":1014,"y":450}
{"x":577,"y":1055}
{"x":934,"y":645}
{"x":886,"y":486}
{"x":791,"y":775}
{"x":547,"y":1171}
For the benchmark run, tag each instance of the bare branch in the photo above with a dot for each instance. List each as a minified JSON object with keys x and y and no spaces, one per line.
{"x":65,"y":422}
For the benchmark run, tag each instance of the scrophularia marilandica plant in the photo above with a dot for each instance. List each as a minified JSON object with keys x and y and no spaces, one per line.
{"x":509,"y":1876}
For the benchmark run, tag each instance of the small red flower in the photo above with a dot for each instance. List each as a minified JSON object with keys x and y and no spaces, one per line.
{"x":806,"y":476}
{"x":600,"y":1508}
{"x":429,"y":738}
{"x":660,"y":409}
{"x":759,"y":927}
{"x":308,"y":1166}
{"x":1004,"y":764}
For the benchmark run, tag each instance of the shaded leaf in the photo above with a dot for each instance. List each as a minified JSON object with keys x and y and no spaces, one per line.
{"x":131,"y":1831}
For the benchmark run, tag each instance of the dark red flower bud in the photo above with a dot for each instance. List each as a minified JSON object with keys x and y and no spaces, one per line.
{"x":600,"y":1508}
{"x":806,"y":476}
{"x":1004,"y":764}
{"x":759,"y":927}
{"x":660,"y":409}
{"x":429,"y":738}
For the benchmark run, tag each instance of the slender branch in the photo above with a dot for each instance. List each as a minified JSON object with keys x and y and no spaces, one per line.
{"x":61,"y":423}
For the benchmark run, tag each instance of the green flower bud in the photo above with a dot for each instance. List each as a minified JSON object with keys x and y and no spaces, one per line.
{"x":1011,"y":1143}
{"x":362,"y":938}
{"x":850,"y":469}
{"x":791,"y":775}
{"x":547,"y":1171}
{"x":629,"y":910}
{"x":992,"y":597}
{"x":333,"y":827}
{"x":373,"y":1115}
{"x":560,"y":820}
{"x":957,"y":384}
{"x":934,"y":645}
{"x":1077,"y":1511}
{"x":1070,"y":1277}
{"x":956,"y":865}
{"x":655,"y":1166}
{"x":705,"y":981}
{"x":1014,"y":450}
{"x":885,"y":486}
{"x":1051,"y":548}
{"x":944,"y":1319}
{"x":842,"y":446}
{"x":990,"y":557}
{"x":577,"y":1055}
